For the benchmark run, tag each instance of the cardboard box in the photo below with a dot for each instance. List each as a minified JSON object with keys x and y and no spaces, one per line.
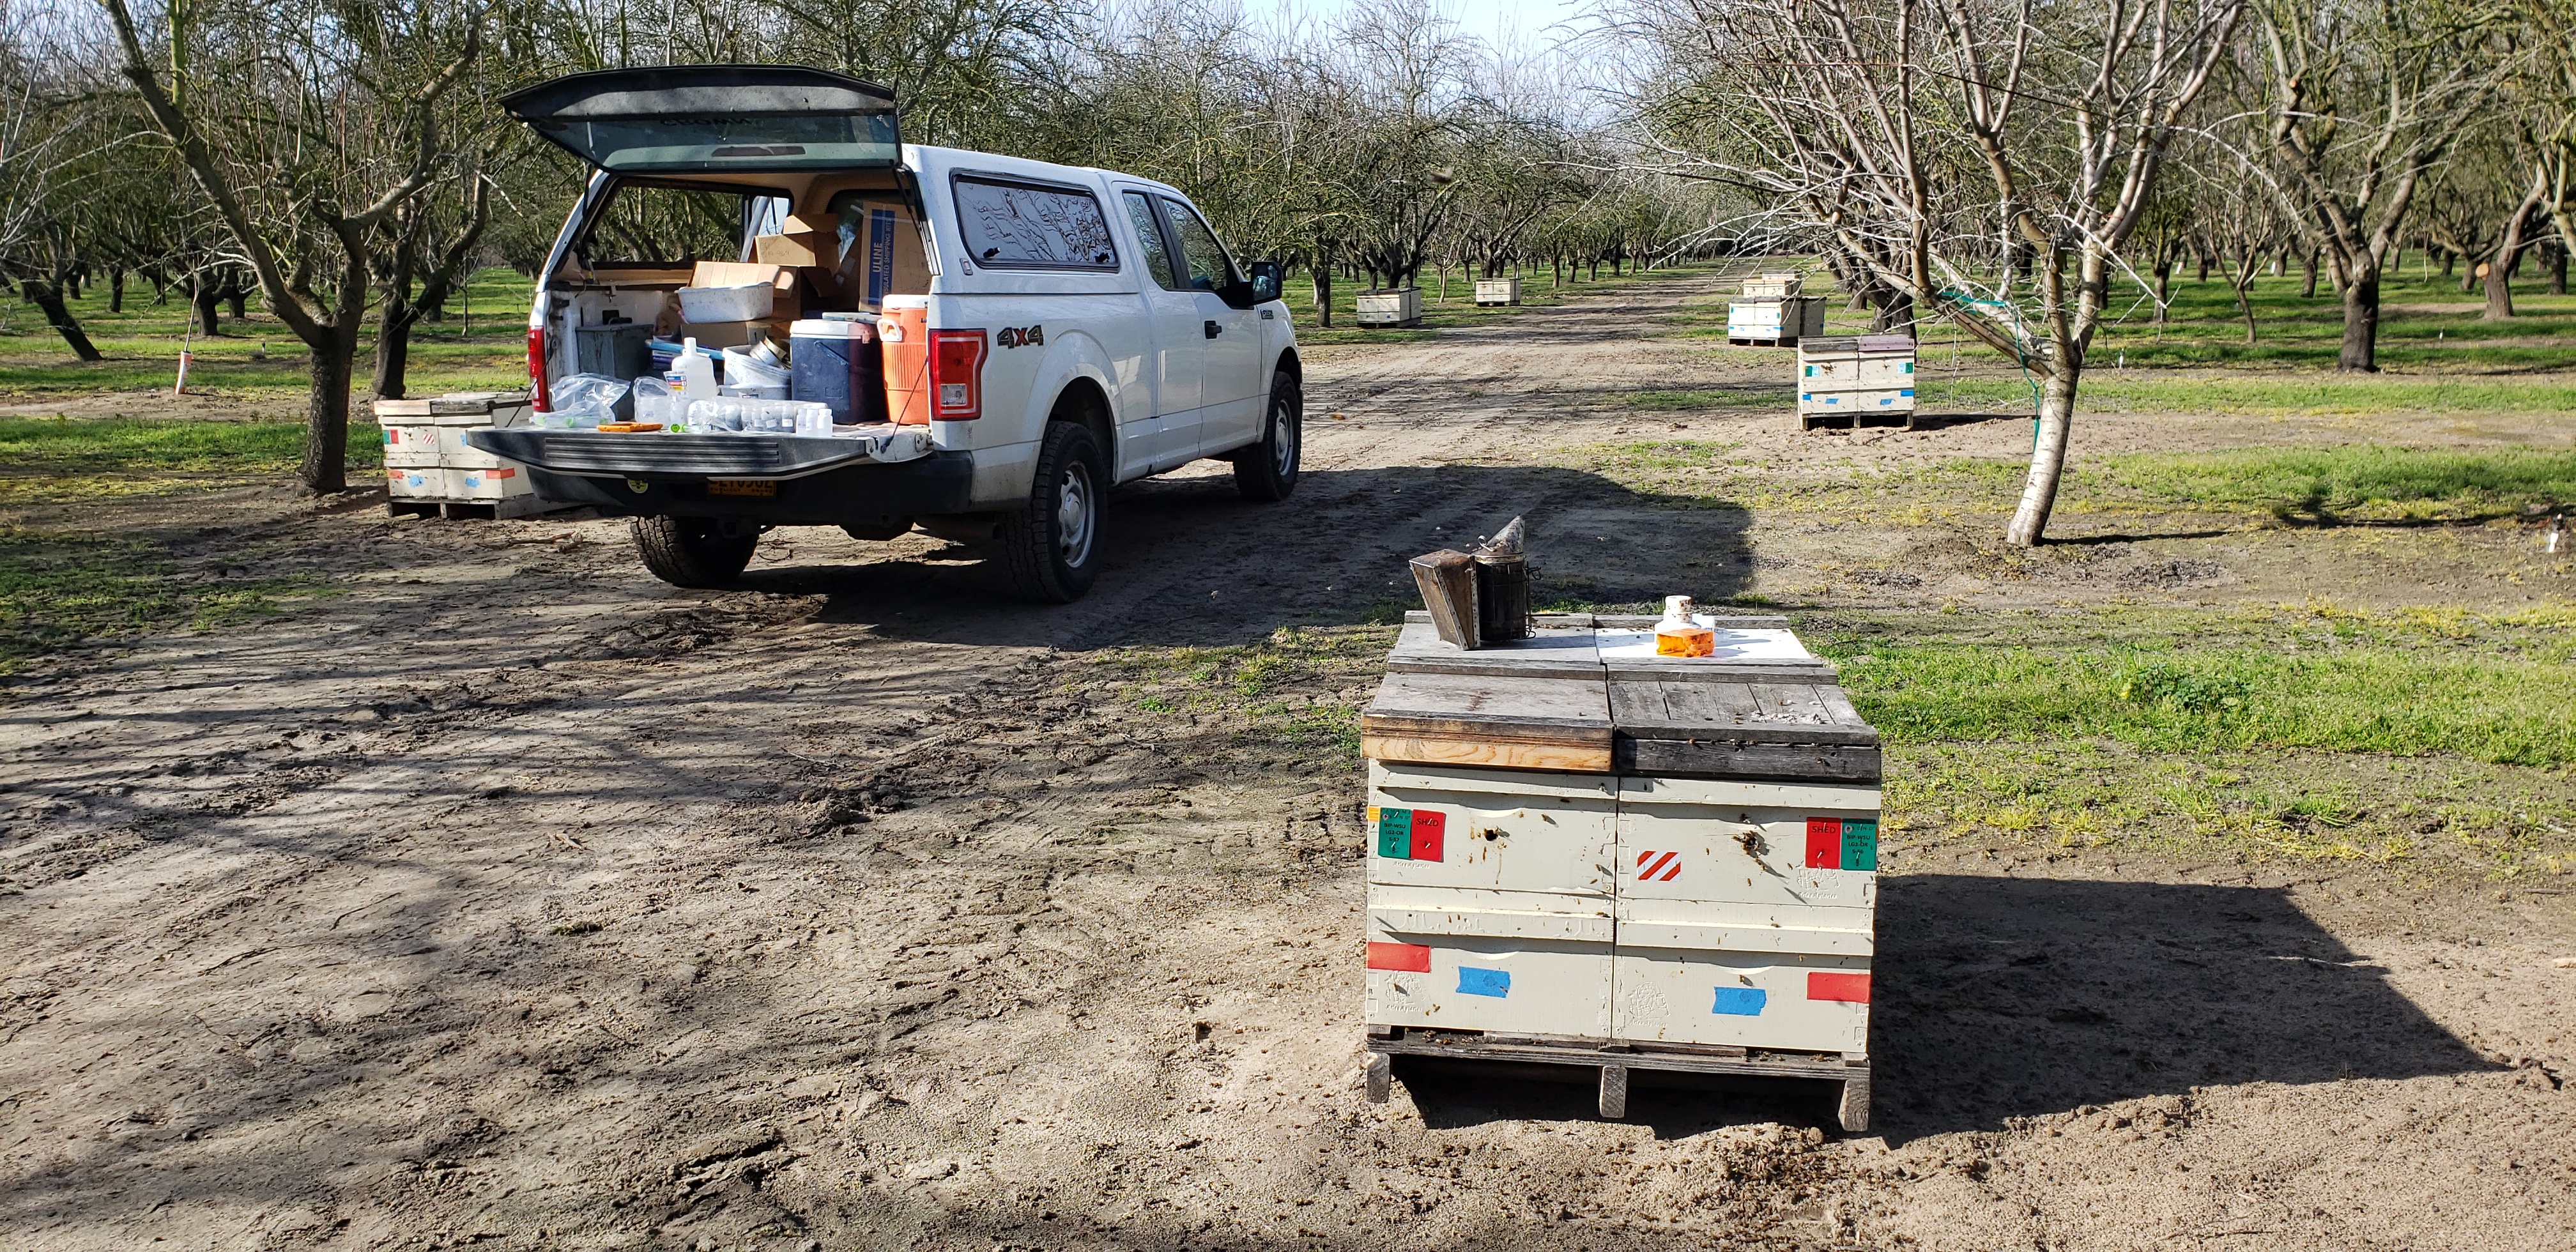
{"x":802,"y":249}
{"x":876,"y":251}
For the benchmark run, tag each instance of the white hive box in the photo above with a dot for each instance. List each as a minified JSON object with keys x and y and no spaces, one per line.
{"x":1774,"y":286}
{"x":1489,"y":902}
{"x":1399,"y":307}
{"x":425,"y":442}
{"x":1699,"y":897}
{"x":1851,"y":378}
{"x":1774,"y":322}
{"x":410,"y":445}
{"x":1498,"y":291}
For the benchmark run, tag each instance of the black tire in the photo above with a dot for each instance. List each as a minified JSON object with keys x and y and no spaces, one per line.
{"x":1267,"y":471}
{"x":692,"y":551}
{"x":1053,"y":546}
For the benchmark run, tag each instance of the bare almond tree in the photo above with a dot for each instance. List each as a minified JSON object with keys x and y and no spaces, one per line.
{"x":1987,"y":159}
{"x":282,"y":112}
{"x":2363,"y":101}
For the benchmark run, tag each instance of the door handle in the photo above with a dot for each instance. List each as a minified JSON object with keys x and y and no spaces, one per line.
{"x":1214,"y":330}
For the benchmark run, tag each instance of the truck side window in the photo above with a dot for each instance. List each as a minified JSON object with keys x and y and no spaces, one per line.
{"x":1210,"y":268}
{"x":1149,"y":236}
{"x":1023,"y":225}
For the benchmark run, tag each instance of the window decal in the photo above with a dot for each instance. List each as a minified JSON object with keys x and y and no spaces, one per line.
{"x":1011,"y":225}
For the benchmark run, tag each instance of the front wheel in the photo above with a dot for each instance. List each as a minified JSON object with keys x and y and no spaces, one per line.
{"x":1267,"y":471}
{"x":693,"y":551}
{"x":1054,"y":544}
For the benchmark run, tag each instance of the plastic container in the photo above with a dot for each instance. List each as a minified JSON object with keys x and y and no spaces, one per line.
{"x":745,"y":368}
{"x":1679,"y":635}
{"x":770,"y":391}
{"x":840,"y":365}
{"x":655,"y":401}
{"x":759,"y":417}
{"x":692,"y":376}
{"x":904,"y":329}
{"x":746,"y":303}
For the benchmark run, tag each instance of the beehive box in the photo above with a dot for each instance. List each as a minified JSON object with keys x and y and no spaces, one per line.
{"x":1848,"y":379}
{"x":1773,"y":286}
{"x":1774,"y":322}
{"x":1398,"y":307}
{"x":1498,"y":291}
{"x":440,"y":471}
{"x":1723,"y":923}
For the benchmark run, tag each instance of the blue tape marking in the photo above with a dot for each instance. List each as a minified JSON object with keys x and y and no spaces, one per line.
{"x":1740,"y":1001}
{"x":1484,"y":982}
{"x":1907,"y":392}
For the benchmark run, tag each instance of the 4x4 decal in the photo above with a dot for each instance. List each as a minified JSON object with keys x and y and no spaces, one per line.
{"x":1020,"y":336}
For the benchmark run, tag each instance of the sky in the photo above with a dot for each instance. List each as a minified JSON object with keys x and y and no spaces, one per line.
{"x":1494,"y":21}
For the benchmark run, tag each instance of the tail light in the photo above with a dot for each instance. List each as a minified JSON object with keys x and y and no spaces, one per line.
{"x":956,"y":375}
{"x":537,"y":368}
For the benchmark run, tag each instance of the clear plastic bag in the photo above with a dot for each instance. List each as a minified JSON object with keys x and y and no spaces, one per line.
{"x":581,"y":401}
{"x":655,"y":401}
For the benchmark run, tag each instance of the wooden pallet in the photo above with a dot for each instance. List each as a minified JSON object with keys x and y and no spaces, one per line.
{"x":1784,"y":341}
{"x":1614,"y":1060}
{"x":475,"y":510}
{"x":1839,"y":421}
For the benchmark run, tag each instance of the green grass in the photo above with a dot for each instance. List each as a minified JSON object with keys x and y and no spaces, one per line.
{"x":142,"y":347}
{"x":57,"y":460}
{"x":2489,"y":688}
{"x":2354,"y":483}
{"x":1284,"y":689}
{"x":1459,"y":308}
{"x":57,"y":590}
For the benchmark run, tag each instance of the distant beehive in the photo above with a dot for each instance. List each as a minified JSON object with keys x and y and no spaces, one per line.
{"x":1773,"y":286}
{"x":1851,"y":378}
{"x":1774,"y":321}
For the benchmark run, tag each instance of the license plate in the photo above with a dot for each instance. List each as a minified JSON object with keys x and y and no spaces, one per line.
{"x":741,"y":487}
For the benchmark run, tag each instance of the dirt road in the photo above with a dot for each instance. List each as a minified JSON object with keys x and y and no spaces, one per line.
{"x":512,"y":898}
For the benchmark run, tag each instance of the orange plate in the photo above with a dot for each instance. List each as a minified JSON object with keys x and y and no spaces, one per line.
{"x":626,"y":428}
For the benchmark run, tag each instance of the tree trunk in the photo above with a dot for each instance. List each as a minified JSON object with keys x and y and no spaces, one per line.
{"x":2558,"y":268}
{"x":1895,"y":313}
{"x":2047,"y":457}
{"x":240,"y":300}
{"x":326,"y":420}
{"x":49,"y":297}
{"x":393,"y":352}
{"x":116,"y":289}
{"x":2164,"y":289}
{"x":2308,"y":284}
{"x":2360,"y":320}
{"x":203,"y":299}
{"x":2450,"y":260}
{"x":2203,"y":260}
{"x":1323,"y":295}
{"x":2245,"y":302}
{"x":2508,"y":253}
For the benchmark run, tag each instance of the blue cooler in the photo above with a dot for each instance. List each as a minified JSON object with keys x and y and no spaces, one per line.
{"x":838,"y":364}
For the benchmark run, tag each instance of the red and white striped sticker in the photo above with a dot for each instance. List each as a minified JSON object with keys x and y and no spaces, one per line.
{"x":1658,"y":866}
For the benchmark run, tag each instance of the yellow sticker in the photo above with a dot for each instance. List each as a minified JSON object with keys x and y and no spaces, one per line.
{"x":638,"y":486}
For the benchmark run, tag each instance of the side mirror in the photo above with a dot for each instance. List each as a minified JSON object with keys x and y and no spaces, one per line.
{"x":1268,"y":280}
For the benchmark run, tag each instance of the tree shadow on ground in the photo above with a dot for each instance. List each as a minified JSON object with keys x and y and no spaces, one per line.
{"x":1189,"y":562}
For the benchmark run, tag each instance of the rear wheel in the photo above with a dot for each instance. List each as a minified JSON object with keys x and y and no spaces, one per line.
{"x":1053,"y":546}
{"x":693,"y":551}
{"x":1267,"y":471}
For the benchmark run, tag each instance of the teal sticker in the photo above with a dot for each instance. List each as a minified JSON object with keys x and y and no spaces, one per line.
{"x":1860,"y":844}
{"x":1484,"y":982}
{"x":1740,"y":1001}
{"x":1395,"y":834}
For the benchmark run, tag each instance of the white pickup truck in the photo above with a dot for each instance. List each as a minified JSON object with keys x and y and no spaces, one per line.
{"x":1084,"y":327}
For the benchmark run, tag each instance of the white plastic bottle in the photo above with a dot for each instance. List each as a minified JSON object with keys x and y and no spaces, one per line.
{"x":694,"y":374}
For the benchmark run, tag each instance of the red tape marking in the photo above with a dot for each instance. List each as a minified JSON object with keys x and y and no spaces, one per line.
{"x":1403,"y":958}
{"x":1824,"y":843}
{"x":1664,"y":866}
{"x":1848,"y":988}
{"x":1425,"y":832}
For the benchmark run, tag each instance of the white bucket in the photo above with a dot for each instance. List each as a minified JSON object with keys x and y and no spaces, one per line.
{"x":726,"y":304}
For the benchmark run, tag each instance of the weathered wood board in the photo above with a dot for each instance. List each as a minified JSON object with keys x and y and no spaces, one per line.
{"x":1508,"y":721}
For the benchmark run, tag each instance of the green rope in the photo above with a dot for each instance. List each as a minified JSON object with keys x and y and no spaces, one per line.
{"x":2019,"y":358}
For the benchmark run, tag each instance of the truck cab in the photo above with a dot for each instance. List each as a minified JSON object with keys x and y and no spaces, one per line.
{"x":1042,"y":332}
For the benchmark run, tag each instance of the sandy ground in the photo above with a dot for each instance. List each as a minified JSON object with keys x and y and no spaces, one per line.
{"x":514,"y":899}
